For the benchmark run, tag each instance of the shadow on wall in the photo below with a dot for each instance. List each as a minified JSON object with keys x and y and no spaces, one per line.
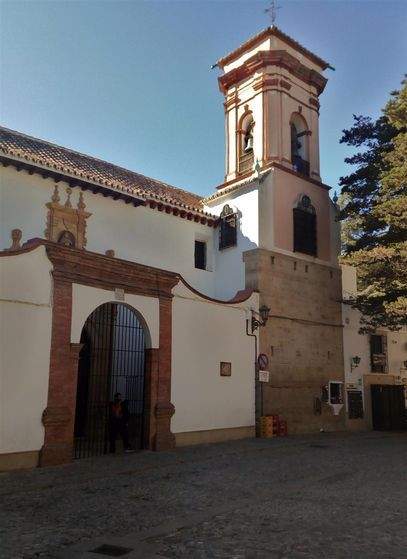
{"x":230,"y":269}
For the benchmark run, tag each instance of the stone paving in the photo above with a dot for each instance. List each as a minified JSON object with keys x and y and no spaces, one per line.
{"x":325,"y":496}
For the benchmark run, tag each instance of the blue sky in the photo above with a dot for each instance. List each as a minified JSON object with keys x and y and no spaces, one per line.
{"x":130,"y":82}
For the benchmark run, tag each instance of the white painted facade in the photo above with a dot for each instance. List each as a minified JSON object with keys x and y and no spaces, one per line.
{"x":25,"y":337}
{"x":203,"y":399}
{"x":137,"y":234}
{"x":358,"y":345}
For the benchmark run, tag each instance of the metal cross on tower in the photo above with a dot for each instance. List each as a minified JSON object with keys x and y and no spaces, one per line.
{"x":272,"y":11}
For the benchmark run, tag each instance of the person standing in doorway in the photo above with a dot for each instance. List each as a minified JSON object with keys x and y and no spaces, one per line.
{"x":118,"y":423}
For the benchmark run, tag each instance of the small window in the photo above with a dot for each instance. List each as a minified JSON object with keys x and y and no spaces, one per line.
{"x":200,"y":255}
{"x":305,"y":227}
{"x":335,"y":393}
{"x":228,"y":228}
{"x":378,"y":353}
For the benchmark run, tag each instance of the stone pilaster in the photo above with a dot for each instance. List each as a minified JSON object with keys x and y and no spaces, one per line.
{"x":164,"y":409}
{"x":59,"y":416}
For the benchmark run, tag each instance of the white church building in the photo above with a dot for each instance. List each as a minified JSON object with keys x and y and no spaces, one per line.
{"x":113,"y":281}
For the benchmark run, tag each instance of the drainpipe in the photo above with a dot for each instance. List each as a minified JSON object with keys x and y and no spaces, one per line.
{"x":258,"y":390}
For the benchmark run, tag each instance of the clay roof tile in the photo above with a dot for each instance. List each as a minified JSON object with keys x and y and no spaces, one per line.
{"x":96,"y":170}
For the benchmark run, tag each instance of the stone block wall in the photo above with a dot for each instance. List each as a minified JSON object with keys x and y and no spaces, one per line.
{"x":302,"y":338}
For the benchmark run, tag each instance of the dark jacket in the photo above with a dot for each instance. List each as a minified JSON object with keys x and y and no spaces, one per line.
{"x":125,"y":412}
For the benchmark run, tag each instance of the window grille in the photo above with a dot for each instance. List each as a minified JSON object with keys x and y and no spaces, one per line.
{"x":200,"y":255}
{"x":305,"y":227}
{"x":378,"y":353}
{"x":228,"y":228}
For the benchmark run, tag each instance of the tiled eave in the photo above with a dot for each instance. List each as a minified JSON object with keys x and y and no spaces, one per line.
{"x":139,"y":198}
{"x":226,"y":190}
{"x":242,"y":182}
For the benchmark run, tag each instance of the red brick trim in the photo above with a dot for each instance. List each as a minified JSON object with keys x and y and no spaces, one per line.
{"x":58,"y":416}
{"x":279,"y":58}
{"x":138,"y":198}
{"x":79,"y":266}
{"x":239,"y":297}
{"x":164,"y":409}
{"x":272,"y":162}
{"x":269,"y":32}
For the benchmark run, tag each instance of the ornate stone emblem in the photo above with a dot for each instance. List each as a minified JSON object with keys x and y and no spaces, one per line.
{"x":66,"y":225}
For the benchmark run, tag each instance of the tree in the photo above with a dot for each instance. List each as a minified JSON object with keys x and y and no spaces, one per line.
{"x":374,"y":214}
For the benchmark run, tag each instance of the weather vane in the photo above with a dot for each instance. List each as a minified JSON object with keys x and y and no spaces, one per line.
{"x":272,"y":11}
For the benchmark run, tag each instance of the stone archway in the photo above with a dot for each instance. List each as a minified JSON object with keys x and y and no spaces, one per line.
{"x":71,"y":266}
{"x":112,"y":359}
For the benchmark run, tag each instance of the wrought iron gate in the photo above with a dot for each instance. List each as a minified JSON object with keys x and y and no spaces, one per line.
{"x":112,"y":360}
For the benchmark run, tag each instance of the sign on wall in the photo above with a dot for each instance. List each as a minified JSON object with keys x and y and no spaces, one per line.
{"x":225,"y":369}
{"x":264,"y":376}
{"x":263,"y":361}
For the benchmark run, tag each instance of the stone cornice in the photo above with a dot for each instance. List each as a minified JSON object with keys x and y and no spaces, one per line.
{"x":269,"y":32}
{"x":240,"y":182}
{"x":279,"y":58}
{"x":90,"y":268}
{"x":81,"y":266}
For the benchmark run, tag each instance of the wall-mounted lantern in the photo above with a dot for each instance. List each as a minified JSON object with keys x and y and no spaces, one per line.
{"x":354,"y":362}
{"x":263,"y":316}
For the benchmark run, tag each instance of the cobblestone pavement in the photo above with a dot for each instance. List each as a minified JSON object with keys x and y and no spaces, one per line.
{"x":328,"y":495}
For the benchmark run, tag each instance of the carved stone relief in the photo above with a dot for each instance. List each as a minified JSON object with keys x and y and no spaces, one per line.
{"x":16,"y":235}
{"x":66,"y":225}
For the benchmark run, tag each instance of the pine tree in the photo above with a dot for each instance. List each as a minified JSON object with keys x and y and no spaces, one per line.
{"x":374,"y":214}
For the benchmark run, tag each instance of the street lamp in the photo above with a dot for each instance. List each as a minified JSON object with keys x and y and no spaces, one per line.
{"x":354,"y":362}
{"x":263,"y":314}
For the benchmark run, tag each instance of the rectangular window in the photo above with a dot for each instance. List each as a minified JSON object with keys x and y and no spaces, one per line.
{"x":335,"y":393}
{"x":378,"y":353}
{"x":228,"y":231}
{"x":200,"y":255}
{"x":305,"y":232}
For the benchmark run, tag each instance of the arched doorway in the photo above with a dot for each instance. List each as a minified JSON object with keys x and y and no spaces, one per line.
{"x":111,"y":360}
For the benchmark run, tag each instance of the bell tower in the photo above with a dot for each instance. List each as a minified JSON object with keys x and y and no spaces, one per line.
{"x":271,"y":86}
{"x":286,"y":227}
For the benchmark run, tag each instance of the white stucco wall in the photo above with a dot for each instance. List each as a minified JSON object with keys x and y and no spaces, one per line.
{"x":230,"y":274}
{"x":25,"y":338}
{"x":356,"y":344}
{"x":137,"y":234}
{"x":204,"y":334}
{"x":86,"y":299}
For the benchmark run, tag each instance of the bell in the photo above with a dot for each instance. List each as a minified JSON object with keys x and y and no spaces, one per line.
{"x":249,"y":143}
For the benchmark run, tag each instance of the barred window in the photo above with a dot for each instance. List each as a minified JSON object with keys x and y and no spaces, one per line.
{"x":228,"y":228}
{"x":305,"y":227}
{"x":355,"y":404}
{"x":200,"y":255}
{"x":378,"y":353}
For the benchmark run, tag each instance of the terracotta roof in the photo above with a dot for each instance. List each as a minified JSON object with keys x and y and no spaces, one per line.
{"x":268,"y":32}
{"x":73,"y":163}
